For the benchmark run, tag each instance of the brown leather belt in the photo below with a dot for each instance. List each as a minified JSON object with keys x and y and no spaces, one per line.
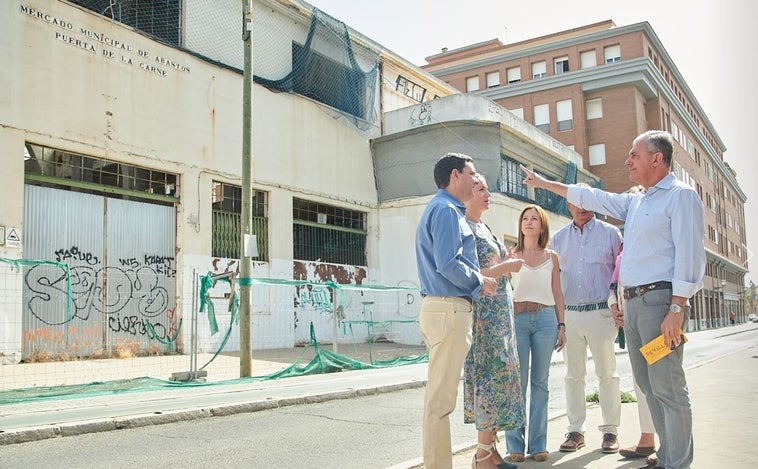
{"x":640,"y":290}
{"x":527,"y":307}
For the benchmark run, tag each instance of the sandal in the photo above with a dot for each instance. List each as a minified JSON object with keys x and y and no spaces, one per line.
{"x":488,"y":448}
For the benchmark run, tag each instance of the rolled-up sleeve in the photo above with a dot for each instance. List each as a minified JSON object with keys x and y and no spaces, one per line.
{"x":687,"y":231}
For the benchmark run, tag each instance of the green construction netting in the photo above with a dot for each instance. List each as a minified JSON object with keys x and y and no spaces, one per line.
{"x":330,"y":69}
{"x":206,"y":306}
{"x":325,"y":361}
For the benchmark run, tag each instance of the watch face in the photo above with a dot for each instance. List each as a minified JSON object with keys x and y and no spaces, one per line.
{"x":675,"y":308}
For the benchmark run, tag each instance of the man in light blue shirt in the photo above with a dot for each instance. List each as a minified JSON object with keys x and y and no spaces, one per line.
{"x":448,"y":270}
{"x":587,"y":248}
{"x":662,"y":267}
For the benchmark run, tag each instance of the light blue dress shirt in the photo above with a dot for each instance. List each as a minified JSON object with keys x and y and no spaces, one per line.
{"x":663,"y":234}
{"x":446,"y":250}
{"x":587,"y":257}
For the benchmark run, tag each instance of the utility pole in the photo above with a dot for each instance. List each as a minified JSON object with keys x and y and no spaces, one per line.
{"x":246,"y":263}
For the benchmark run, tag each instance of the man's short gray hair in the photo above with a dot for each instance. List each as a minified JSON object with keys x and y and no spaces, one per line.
{"x":659,"y":141}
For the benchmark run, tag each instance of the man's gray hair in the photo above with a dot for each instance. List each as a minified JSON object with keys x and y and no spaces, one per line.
{"x":659,"y":141}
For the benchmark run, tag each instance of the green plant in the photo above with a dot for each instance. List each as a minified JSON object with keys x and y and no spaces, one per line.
{"x":625,"y":397}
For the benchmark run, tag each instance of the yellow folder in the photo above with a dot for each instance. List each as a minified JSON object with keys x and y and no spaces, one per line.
{"x":657,"y":349}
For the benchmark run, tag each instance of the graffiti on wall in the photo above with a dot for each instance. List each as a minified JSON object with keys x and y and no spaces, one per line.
{"x":318,"y":298}
{"x":133,"y":298}
{"x":321,"y":299}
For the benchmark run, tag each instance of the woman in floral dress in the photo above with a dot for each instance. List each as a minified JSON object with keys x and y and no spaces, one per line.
{"x":492,"y":384}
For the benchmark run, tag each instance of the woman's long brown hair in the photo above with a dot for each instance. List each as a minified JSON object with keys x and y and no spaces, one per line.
{"x":544,"y":233}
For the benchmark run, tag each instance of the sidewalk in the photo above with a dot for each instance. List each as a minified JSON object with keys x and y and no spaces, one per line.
{"x":80,"y":413}
{"x":66,"y":415}
{"x":724,"y":396}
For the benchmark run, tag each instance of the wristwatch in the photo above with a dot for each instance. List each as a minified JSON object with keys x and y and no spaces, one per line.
{"x":675,"y":308}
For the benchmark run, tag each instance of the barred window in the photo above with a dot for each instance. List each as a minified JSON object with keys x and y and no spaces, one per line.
{"x":546,"y":199}
{"x":226,"y":232}
{"x":328,"y":234}
{"x":50,"y":167}
{"x":512,"y":179}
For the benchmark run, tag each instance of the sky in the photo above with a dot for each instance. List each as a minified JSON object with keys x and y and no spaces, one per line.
{"x":711,"y":43}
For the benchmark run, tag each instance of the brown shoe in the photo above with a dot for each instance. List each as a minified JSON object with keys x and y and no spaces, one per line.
{"x":574,"y":441}
{"x":516,"y":457}
{"x":610,"y":443}
{"x":540,"y":457}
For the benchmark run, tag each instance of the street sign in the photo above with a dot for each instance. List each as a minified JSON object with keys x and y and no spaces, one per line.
{"x":13,"y":238}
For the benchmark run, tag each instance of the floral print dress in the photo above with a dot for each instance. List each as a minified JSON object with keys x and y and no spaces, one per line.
{"x":492,"y":382}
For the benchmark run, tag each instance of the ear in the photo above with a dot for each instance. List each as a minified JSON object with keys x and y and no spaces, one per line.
{"x":453,"y":174}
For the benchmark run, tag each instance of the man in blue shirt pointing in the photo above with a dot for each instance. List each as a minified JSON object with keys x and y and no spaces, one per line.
{"x":448,"y":270}
{"x":662,"y":267}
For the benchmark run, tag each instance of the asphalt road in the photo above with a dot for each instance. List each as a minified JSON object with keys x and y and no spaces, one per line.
{"x":368,"y":432}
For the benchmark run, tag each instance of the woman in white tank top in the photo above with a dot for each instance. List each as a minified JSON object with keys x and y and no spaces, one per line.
{"x":538,"y":305}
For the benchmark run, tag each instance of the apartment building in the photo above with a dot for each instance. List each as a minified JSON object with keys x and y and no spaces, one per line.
{"x":594,"y":88}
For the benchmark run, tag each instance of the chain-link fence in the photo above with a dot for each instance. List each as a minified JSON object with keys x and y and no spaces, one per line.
{"x":67,"y":330}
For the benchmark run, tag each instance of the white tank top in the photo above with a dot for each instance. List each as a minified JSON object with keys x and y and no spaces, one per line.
{"x":534,"y":283}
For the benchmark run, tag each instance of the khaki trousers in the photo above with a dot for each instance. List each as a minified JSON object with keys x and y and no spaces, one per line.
{"x":596,"y":330}
{"x":445,"y":323}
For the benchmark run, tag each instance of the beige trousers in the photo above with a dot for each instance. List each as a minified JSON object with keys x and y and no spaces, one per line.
{"x":596,"y":330}
{"x":445,"y":323}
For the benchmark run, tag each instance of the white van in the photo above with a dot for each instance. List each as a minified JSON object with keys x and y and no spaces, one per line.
{"x":752,"y":317}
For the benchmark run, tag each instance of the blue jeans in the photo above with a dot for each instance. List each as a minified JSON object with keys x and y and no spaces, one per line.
{"x":663,"y":382}
{"x":536,"y":334}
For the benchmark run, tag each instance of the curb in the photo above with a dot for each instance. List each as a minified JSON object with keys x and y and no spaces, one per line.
{"x":25,"y":435}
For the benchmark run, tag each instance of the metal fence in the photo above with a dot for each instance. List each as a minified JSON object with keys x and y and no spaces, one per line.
{"x":290,"y":321}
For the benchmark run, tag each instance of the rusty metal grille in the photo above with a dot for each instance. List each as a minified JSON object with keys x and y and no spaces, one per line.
{"x":328,"y":234}
{"x":227,"y":228}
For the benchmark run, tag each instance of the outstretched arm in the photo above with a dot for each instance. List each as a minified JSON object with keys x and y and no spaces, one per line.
{"x":535,"y":180}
